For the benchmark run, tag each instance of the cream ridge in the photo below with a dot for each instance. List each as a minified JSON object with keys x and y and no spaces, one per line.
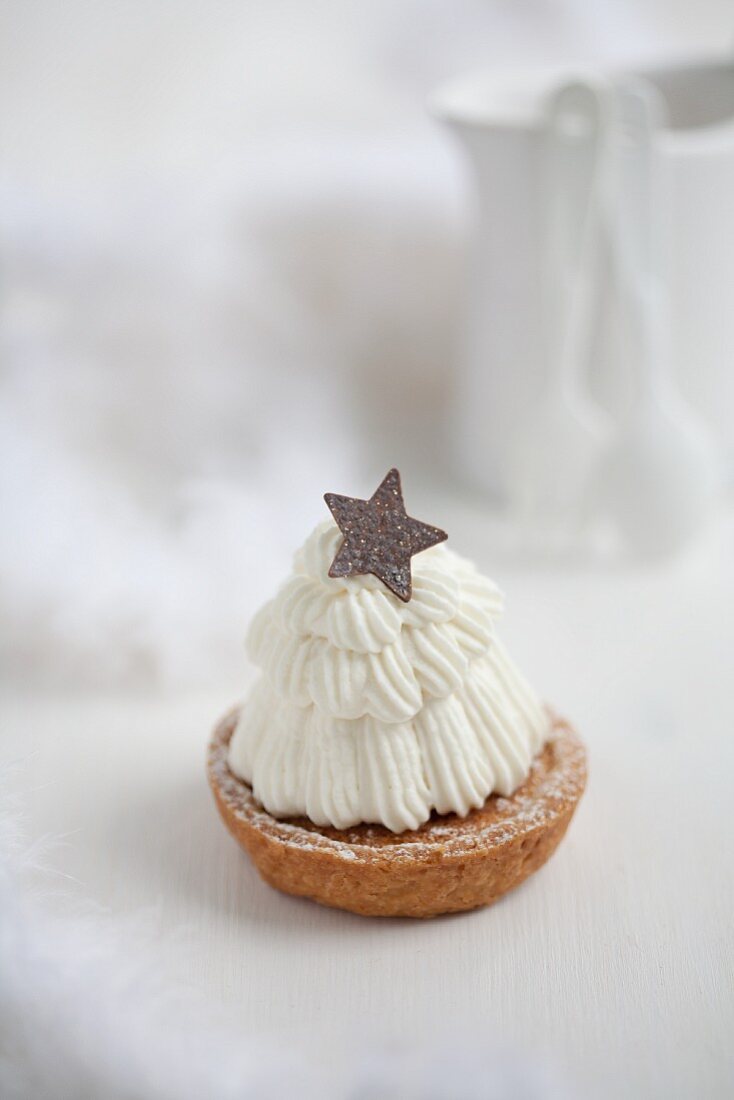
{"x":373,"y":710}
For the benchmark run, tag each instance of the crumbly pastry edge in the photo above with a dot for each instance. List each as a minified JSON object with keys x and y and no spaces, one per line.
{"x":520,"y":813}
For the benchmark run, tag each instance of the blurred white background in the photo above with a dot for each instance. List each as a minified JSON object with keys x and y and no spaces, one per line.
{"x":232,"y":246}
{"x":233,"y":255}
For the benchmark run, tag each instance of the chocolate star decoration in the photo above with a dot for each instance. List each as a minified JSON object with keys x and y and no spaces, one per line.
{"x":379,"y":537}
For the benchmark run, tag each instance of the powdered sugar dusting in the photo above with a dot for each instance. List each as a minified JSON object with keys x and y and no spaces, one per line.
{"x":556,"y":779}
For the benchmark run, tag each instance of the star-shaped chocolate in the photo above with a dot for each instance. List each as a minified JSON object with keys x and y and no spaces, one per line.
{"x":379,"y":537}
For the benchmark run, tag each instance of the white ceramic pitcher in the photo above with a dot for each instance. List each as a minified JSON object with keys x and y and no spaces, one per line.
{"x":498,"y":120}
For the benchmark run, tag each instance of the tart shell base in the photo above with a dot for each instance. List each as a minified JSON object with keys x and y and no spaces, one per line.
{"x":449,"y":864}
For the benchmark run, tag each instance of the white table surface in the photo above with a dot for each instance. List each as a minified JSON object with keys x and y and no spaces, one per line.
{"x":616,"y":960}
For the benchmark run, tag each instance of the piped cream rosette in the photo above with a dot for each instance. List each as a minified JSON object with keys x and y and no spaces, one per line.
{"x":373,"y":710}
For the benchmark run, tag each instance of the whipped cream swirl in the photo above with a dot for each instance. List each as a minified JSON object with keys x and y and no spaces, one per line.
{"x":372,"y":710}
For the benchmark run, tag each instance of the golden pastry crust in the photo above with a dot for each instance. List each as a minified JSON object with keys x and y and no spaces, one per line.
{"x":449,"y":864}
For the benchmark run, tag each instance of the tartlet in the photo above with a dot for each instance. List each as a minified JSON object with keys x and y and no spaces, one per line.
{"x":391,"y":759}
{"x":447,"y":865}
